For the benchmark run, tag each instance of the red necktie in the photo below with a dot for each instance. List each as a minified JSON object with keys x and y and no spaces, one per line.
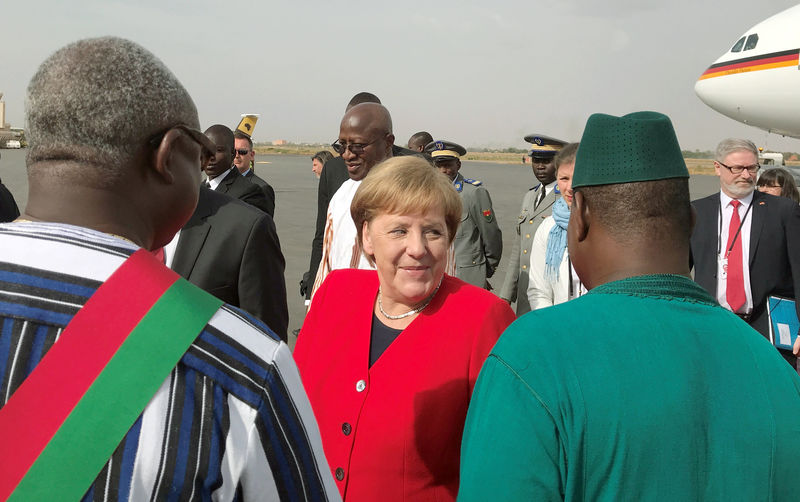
{"x":734,"y":291}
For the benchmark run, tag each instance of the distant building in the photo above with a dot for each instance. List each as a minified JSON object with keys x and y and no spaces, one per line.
{"x":279,"y":142}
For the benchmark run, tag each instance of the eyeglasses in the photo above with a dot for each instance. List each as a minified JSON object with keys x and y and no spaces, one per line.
{"x":355,"y":148}
{"x":738,"y":169}
{"x":207,"y":147}
{"x":242,"y":151}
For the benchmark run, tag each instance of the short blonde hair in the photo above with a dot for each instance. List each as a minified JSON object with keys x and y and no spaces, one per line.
{"x":405,"y":185}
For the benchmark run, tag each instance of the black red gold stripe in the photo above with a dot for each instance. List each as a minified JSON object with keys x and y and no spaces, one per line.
{"x":780,"y":59}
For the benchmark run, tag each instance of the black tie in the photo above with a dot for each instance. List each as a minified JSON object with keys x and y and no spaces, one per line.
{"x":540,"y":198}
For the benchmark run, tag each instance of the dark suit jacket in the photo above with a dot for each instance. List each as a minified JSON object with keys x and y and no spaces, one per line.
{"x":231,"y":250}
{"x":239,"y":187}
{"x":266,"y":189}
{"x":774,"y":252}
{"x":334,"y":173}
{"x":8,"y":206}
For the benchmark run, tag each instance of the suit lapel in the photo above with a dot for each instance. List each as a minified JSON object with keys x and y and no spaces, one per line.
{"x":227,"y":181}
{"x":759,"y":209}
{"x":193,"y":236}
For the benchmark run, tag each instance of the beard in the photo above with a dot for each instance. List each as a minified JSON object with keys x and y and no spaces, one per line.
{"x":739,"y":190}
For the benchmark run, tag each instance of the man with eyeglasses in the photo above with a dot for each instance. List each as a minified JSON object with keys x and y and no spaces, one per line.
{"x":243,"y":160}
{"x":120,"y":379}
{"x":365,"y":139}
{"x":746,"y":244}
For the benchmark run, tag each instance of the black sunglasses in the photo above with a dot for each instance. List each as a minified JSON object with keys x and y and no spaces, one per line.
{"x":242,"y":151}
{"x":355,"y":148}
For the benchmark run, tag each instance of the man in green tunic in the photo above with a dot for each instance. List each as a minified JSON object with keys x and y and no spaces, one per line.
{"x":644,"y":388}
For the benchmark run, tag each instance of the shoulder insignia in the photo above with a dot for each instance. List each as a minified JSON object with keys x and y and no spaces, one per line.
{"x":473,"y":182}
{"x":556,"y":190}
{"x":487,"y":213}
{"x":459,"y":186}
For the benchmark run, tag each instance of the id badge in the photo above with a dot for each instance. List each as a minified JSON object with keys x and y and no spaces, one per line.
{"x":723,"y":268}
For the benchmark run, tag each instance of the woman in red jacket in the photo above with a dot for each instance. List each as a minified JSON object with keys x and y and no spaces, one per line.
{"x":389,"y":357}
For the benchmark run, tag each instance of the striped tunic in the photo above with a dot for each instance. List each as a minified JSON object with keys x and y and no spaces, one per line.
{"x":231,"y":422}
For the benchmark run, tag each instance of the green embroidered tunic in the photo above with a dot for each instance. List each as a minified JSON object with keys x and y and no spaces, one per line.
{"x":643,"y":389}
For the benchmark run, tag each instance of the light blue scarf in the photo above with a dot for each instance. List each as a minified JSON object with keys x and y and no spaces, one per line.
{"x":557,"y":240}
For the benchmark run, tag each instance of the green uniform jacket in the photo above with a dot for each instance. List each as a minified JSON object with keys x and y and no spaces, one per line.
{"x":515,"y":287}
{"x":479,"y":242}
{"x":642,"y":389}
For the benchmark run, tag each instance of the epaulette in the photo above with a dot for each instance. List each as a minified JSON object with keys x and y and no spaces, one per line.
{"x":473,"y":182}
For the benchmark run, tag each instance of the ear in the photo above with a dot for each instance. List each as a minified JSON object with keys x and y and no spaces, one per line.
{"x":716,"y":168}
{"x":389,"y":143}
{"x":366,"y":239}
{"x":458,"y":164}
{"x":579,"y":216}
{"x":166,"y":149}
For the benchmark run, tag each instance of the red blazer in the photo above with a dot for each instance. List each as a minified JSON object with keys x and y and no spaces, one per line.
{"x":393,"y":431}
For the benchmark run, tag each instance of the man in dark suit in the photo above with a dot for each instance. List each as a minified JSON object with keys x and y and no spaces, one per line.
{"x":225,"y":178}
{"x":243,"y":160}
{"x":746,"y":244}
{"x":231,"y":250}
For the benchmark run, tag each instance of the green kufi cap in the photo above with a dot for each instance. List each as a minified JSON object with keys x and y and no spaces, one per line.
{"x":640,"y":146}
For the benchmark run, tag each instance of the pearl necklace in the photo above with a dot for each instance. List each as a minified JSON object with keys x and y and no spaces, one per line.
{"x":416,"y":310}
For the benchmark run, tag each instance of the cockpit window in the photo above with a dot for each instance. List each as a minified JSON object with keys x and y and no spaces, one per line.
{"x":752,"y":40}
{"x":737,"y":47}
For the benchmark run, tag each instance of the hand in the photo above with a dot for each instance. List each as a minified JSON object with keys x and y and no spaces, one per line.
{"x":796,"y":349}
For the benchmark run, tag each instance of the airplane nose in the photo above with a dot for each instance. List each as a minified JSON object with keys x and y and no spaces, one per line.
{"x":717,"y":92}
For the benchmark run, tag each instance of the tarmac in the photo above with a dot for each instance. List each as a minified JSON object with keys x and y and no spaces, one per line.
{"x":296,"y":207}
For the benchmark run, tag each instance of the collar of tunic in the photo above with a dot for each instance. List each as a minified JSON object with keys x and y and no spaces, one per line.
{"x":663,"y":286}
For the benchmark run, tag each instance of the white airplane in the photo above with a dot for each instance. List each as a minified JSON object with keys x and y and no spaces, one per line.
{"x":757,"y":81}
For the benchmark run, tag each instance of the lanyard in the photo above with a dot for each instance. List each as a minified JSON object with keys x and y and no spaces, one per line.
{"x":738,"y":230}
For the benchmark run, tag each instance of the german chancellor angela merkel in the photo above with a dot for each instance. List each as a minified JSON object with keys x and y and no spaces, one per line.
{"x":389,"y":357}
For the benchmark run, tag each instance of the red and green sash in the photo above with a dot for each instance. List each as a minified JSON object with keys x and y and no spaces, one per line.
{"x":66,"y":419}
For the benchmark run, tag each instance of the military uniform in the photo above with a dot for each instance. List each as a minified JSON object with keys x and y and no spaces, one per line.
{"x":478,"y":243}
{"x":515,"y":286}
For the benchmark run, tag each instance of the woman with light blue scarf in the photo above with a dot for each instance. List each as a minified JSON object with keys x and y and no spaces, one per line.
{"x":552,"y":279}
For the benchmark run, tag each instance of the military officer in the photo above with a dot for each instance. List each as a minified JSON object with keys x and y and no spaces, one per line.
{"x":536,"y":206}
{"x":479,"y":242}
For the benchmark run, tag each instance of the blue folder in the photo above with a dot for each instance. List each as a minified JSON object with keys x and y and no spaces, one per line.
{"x":783,"y":323}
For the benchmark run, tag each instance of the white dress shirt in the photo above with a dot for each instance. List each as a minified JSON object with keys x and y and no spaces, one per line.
{"x":744,"y":237}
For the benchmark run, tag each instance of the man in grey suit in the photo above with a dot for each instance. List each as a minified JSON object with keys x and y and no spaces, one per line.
{"x":231,"y":250}
{"x":536,"y":206}
{"x":243,"y":160}
{"x":478,"y":242}
{"x":224,"y":177}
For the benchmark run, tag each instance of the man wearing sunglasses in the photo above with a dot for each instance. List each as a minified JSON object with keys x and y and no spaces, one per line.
{"x":243,"y":160}
{"x":126,"y":381}
{"x":365,"y":139}
{"x":223,"y":176}
{"x":746,"y":244}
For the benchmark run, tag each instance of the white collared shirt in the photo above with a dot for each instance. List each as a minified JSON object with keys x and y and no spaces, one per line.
{"x":744,"y":236}
{"x":214,"y":182}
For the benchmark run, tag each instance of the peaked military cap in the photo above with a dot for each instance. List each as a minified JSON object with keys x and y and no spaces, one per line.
{"x":445,"y":150}
{"x":640,"y":146}
{"x":544,"y":147}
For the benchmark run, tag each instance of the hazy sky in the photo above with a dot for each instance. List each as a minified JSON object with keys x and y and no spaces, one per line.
{"x":478,"y":73}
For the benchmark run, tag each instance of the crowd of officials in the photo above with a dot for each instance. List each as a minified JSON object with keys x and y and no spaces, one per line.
{"x":143,"y":313}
